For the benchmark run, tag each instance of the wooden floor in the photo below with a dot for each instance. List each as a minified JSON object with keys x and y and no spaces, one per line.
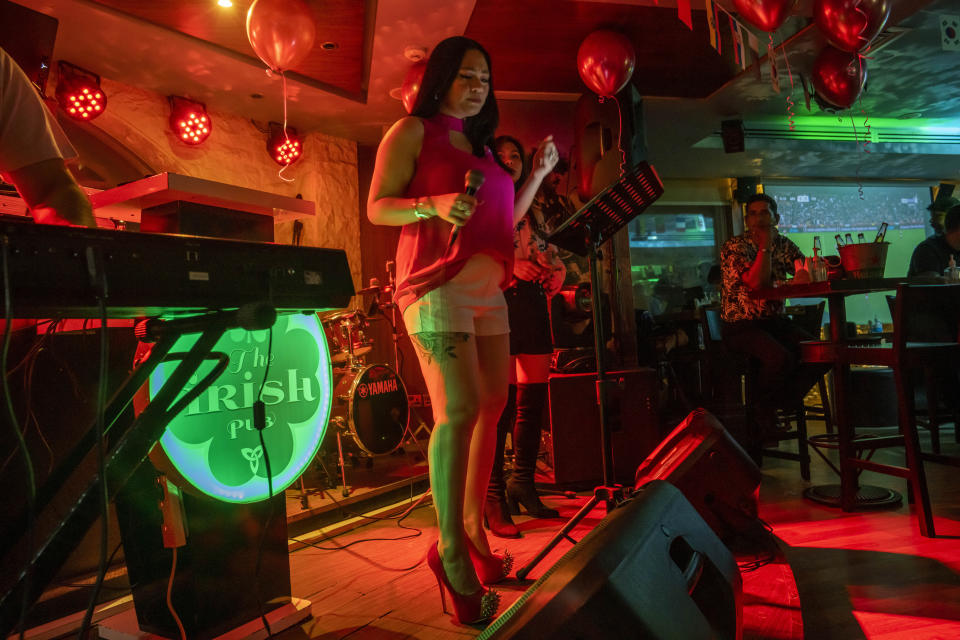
{"x":850,"y":575}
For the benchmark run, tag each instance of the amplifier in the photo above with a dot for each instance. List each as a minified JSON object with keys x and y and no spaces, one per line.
{"x":575,"y":425}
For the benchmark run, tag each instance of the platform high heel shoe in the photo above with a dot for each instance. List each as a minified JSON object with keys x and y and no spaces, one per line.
{"x":475,"y":608}
{"x":490,"y":569}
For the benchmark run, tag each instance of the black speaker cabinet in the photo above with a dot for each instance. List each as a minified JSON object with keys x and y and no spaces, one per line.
{"x":732,"y":133}
{"x":716,"y":475}
{"x":575,"y":425}
{"x":28,"y":36}
{"x":650,"y":569}
{"x":217,"y":586}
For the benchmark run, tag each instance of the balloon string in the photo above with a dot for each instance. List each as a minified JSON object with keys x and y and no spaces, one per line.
{"x":283,"y":77}
{"x":857,"y":140}
{"x":790,"y":103}
{"x":623,"y":153}
{"x":866,"y":123}
{"x":866,"y":20}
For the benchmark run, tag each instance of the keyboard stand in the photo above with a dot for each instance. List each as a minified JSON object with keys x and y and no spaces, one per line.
{"x":127,"y":446}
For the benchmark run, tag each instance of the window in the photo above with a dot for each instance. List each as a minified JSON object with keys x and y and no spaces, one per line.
{"x":672,"y":248}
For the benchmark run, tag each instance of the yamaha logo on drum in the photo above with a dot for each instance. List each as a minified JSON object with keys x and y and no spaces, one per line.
{"x":377,"y":388}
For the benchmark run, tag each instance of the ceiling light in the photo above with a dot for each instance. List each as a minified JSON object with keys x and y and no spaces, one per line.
{"x":79,"y":93}
{"x":226,"y":4}
{"x":414,"y":54}
{"x":284,"y":147}
{"x":189,"y":120}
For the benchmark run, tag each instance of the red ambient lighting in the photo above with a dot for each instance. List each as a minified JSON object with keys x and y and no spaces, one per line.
{"x":285,"y":149}
{"x":79,"y":93}
{"x":189,"y":120}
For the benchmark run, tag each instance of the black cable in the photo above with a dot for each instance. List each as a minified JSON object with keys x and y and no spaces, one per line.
{"x":96,"y":268}
{"x":399,"y":518}
{"x":76,"y":585}
{"x":259,"y":421}
{"x":21,"y":441}
{"x":766,"y":540}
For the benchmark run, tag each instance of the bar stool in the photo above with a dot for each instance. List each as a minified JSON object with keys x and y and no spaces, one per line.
{"x":743,"y":370}
{"x":810,"y":317}
{"x":934,"y":316}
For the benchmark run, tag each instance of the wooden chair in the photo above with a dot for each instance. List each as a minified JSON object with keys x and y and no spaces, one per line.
{"x":930,"y":411}
{"x":733,"y":378}
{"x":926,"y":334}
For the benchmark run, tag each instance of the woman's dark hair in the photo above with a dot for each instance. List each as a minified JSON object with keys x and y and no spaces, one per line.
{"x":442,"y":69}
{"x":523,"y":156}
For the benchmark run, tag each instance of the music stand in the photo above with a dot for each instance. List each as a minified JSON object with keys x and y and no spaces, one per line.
{"x":583,"y":233}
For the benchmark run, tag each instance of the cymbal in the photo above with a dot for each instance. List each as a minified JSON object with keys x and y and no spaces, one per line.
{"x":373,"y":289}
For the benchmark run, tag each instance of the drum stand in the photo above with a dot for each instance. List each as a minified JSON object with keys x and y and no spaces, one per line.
{"x":410,"y":434}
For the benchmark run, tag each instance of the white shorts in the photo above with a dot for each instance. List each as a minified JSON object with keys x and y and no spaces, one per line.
{"x":470,"y":302}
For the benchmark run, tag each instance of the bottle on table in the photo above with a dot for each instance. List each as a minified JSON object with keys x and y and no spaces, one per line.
{"x":881,"y":232}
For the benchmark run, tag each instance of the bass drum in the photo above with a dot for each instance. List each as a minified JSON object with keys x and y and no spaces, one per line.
{"x":370,"y":403}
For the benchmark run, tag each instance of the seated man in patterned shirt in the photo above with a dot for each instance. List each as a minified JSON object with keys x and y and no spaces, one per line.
{"x":753,"y":260}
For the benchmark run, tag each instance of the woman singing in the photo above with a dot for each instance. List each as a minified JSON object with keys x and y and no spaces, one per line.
{"x":454,"y":257}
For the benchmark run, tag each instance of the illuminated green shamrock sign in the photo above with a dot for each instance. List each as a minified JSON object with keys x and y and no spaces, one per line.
{"x":213,"y":442}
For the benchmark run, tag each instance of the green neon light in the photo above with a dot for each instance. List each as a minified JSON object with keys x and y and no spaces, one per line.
{"x":830,"y":127}
{"x":213,"y":443}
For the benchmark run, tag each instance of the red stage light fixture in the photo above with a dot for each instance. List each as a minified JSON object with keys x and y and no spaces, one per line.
{"x":189,"y":120}
{"x":79,"y":93}
{"x":284,"y":148}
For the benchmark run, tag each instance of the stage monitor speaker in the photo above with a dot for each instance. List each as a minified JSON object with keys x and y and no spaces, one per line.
{"x":575,"y":424}
{"x":651,"y":569}
{"x":716,"y":475}
{"x":732,"y":133}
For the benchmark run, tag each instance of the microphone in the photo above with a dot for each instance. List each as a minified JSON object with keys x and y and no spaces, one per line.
{"x":472,"y":181}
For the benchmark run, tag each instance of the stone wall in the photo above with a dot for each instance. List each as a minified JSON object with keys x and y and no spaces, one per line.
{"x":235,"y":153}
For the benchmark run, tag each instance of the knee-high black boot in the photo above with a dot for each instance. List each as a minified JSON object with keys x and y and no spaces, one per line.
{"x":531,"y":401}
{"x":495,"y":513}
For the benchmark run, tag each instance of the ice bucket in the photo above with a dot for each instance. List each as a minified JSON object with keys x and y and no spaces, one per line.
{"x":864,"y":259}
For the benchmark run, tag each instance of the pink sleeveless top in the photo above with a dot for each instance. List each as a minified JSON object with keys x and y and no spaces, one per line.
{"x":424,"y":259}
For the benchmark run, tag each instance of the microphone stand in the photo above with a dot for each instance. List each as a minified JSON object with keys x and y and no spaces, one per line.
{"x":583,"y":233}
{"x":609,"y":493}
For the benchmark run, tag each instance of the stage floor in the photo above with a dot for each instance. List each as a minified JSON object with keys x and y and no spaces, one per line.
{"x":843,"y":576}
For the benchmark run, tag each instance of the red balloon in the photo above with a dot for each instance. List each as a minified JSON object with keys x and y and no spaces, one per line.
{"x":851,"y":25}
{"x":766,"y":15}
{"x":605,"y":61}
{"x":839,"y":76}
{"x":281,"y":32}
{"x":411,"y":85}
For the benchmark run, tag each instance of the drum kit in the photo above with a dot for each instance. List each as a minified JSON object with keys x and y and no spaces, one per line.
{"x":370,"y":413}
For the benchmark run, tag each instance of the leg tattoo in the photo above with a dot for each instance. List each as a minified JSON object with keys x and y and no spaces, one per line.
{"x":437,"y":345}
